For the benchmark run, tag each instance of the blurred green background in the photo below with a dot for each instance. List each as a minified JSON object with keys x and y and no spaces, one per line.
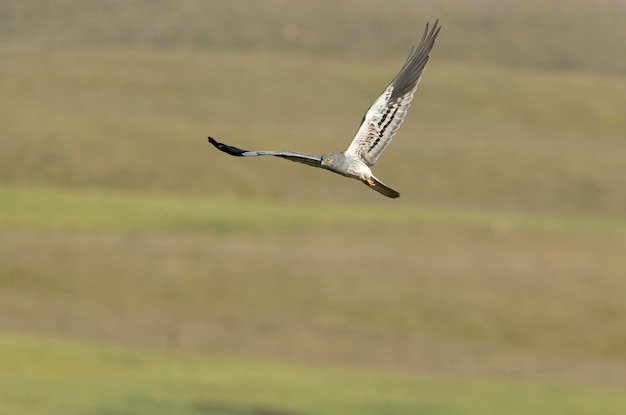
{"x":143,"y":272}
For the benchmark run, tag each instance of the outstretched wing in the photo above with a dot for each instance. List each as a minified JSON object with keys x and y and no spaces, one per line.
{"x":383,"y":118}
{"x":308,"y":159}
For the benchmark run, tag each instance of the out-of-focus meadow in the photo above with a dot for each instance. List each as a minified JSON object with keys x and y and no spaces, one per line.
{"x":143,"y":272}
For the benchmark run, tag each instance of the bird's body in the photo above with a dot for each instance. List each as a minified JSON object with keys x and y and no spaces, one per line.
{"x":378,"y":127}
{"x":346,"y":164}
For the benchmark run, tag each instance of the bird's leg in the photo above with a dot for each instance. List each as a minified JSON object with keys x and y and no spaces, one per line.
{"x":369,"y":182}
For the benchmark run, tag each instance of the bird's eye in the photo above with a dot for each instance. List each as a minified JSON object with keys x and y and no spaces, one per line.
{"x":329,"y":158}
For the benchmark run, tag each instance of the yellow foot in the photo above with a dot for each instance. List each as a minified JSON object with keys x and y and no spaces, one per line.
{"x":370,"y":182}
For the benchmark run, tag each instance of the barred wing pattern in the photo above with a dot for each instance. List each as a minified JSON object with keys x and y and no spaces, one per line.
{"x":384,"y":117}
{"x":304,"y":158}
{"x":377,"y":128}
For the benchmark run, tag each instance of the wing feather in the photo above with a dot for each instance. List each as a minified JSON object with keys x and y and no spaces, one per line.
{"x":308,"y":159}
{"x":383,"y":118}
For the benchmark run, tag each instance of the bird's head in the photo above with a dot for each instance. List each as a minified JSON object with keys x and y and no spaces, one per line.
{"x":332,"y":161}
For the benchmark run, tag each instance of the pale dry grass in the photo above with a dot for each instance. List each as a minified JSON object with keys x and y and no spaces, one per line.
{"x":559,"y":35}
{"x":123,"y":118}
{"x":442,"y":300}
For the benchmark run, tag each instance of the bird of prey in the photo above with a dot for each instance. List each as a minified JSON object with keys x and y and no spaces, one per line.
{"x":378,"y":127}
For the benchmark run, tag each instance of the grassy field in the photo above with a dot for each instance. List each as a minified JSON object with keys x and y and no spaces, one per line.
{"x":509,"y":139}
{"x":201,"y":283}
{"x":560,"y":35}
{"x":74,"y":377}
{"x":105,"y":210}
{"x":463,"y":293}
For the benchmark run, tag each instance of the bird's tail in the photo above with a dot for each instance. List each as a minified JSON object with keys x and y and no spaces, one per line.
{"x":381,"y":188}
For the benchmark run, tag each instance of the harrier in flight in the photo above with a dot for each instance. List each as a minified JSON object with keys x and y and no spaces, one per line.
{"x":378,"y":127}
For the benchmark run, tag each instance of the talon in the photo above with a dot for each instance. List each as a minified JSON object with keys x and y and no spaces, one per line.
{"x":370,"y":182}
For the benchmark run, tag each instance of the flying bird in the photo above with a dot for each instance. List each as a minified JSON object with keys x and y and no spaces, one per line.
{"x":377,"y":128}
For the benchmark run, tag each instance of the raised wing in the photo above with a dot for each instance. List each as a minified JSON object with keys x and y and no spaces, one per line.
{"x":304,"y":158}
{"x":383,"y":118}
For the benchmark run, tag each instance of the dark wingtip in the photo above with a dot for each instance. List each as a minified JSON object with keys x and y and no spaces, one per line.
{"x":233,"y":151}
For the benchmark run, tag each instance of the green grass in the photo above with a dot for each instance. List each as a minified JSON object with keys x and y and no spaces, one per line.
{"x":72,"y":377}
{"x":126,"y":211}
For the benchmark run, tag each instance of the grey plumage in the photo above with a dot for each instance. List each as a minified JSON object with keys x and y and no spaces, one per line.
{"x":377,"y":128}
